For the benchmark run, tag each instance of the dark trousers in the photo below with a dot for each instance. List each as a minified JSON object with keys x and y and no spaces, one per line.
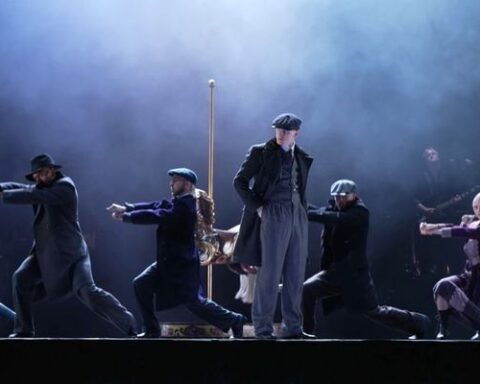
{"x":6,"y":313}
{"x":28,"y":288}
{"x":324,"y":284}
{"x":146,"y":285}
{"x":7,"y":317}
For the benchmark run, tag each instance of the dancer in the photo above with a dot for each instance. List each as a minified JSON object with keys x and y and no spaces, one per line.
{"x":174,"y":278}
{"x":459,"y":295}
{"x":344,"y":277}
{"x":59,"y":262}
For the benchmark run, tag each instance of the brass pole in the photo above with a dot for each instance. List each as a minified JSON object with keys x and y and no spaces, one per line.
{"x":211,"y":84}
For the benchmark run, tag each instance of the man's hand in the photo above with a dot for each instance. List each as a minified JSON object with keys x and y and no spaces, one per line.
{"x":248,"y":268}
{"x":427,"y":210}
{"x":117,"y":211}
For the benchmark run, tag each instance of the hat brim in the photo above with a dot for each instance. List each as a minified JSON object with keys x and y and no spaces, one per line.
{"x":286,"y":129}
{"x":29,"y":176}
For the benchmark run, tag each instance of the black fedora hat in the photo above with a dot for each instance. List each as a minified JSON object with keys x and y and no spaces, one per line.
{"x":41,"y":161}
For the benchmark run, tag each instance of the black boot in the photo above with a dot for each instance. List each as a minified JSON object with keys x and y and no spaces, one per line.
{"x":421,"y":323}
{"x":413,"y":323}
{"x":443,"y":332}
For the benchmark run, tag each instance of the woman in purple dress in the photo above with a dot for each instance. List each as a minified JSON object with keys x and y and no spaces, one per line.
{"x":459,"y":295}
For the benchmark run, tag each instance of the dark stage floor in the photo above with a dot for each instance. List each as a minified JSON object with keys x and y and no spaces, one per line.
{"x":182,"y":360}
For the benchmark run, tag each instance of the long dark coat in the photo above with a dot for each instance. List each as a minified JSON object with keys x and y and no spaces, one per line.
{"x":58,"y":240}
{"x":178,"y":264}
{"x":263,"y":164}
{"x":344,"y":249}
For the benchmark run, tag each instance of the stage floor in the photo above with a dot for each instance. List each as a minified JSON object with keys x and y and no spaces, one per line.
{"x":212,"y":360}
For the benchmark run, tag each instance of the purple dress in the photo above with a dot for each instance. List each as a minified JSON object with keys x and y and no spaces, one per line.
{"x":462,"y":291}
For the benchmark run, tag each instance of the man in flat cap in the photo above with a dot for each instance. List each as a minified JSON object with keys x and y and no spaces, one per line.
{"x":274,"y":228}
{"x":345,"y":278}
{"x":59,"y":261}
{"x":174,"y":278}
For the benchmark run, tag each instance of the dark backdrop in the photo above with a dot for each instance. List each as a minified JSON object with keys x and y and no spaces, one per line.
{"x":117,"y":92}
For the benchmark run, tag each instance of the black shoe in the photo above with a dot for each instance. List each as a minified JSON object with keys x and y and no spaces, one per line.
{"x":476,"y":336}
{"x":265,"y":336}
{"x":20,"y":335}
{"x":149,"y":335}
{"x":421,"y":324}
{"x":303,"y":335}
{"x":132,"y":333}
{"x":442,"y":333}
{"x":237,"y":327}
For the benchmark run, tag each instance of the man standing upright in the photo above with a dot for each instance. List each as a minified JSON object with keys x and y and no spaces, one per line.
{"x":274,"y":228}
{"x":59,"y":262}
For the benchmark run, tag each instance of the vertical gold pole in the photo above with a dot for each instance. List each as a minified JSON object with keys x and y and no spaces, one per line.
{"x":211,"y":84}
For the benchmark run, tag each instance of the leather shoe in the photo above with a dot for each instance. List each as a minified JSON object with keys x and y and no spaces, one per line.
{"x":237,"y":327}
{"x":149,"y":335}
{"x":476,"y":336}
{"x":19,"y":335}
{"x":303,"y":335}
{"x":132,"y":333}
{"x":265,"y":336}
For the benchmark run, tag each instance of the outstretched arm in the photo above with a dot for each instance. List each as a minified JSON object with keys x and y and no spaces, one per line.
{"x":449,"y":230}
{"x":323,"y":215}
{"x":149,"y":213}
{"x":58,"y":193}
{"x":118,"y":210}
{"x":12,"y":185}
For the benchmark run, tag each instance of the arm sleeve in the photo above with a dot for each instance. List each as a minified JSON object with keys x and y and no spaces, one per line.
{"x":460,"y":231}
{"x":353,"y":217}
{"x":249,"y":169}
{"x":59,"y":193}
{"x":142,"y":206}
{"x":151,"y":213}
{"x":11,"y":185}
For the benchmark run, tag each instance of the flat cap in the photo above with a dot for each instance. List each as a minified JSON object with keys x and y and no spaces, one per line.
{"x":287,"y":121}
{"x":343,"y":187}
{"x":186,"y":173}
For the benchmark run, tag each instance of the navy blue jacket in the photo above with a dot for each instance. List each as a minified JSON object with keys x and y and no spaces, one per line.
{"x":178,"y":264}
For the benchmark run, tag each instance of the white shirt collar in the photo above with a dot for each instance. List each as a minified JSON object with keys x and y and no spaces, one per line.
{"x":288,"y":148}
